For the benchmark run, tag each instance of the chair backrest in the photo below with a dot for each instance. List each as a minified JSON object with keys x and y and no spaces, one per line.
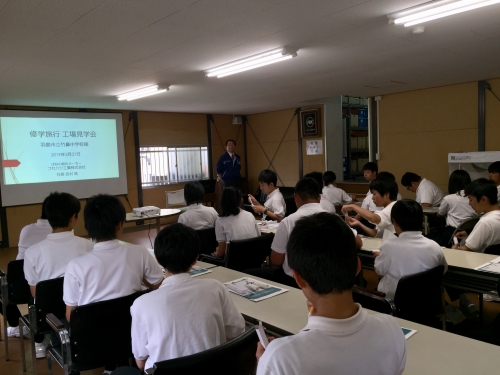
{"x":19,"y":290}
{"x":419,"y":297}
{"x":49,"y":299}
{"x":249,"y":253}
{"x":468,"y":225}
{"x":373,"y":300}
{"x":493,"y":249}
{"x":235,"y":357}
{"x":100,"y":332}
{"x":175,"y":198}
{"x":207,"y":239}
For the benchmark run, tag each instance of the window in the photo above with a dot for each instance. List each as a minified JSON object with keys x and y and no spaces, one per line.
{"x":170,"y":165}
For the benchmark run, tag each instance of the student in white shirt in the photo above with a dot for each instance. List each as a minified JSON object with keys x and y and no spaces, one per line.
{"x":384,"y":194}
{"x":331,"y":192}
{"x":455,"y":207}
{"x":234,"y":223}
{"x":274,"y":207}
{"x":197,"y":216}
{"x":33,"y":233}
{"x":322,"y":256}
{"x":410,"y":252}
{"x":494,"y":175}
{"x":428,"y":193}
{"x":49,"y":258}
{"x":325,"y":204}
{"x":185,"y":315}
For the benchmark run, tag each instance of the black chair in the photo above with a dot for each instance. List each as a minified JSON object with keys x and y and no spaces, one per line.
{"x":419,"y":297}
{"x":15,"y":290}
{"x":493,"y":249}
{"x":49,"y":299}
{"x":207,"y":239}
{"x":235,"y":357}
{"x":373,"y":300}
{"x":467,"y":225}
{"x":287,"y":193}
{"x":98,"y":334}
{"x":249,"y":253}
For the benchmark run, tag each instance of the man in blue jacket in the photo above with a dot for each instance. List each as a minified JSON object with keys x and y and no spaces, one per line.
{"x":229,"y":166}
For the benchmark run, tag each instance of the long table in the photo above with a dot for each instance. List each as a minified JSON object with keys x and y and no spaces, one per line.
{"x":461,"y":267}
{"x":430,"y":351}
{"x":164,"y":212}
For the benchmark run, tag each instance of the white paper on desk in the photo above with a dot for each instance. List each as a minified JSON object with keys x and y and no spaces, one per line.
{"x":496,"y":260}
{"x":408,"y":332}
{"x":489,"y":267}
{"x":253,"y":290}
{"x":198,"y":272}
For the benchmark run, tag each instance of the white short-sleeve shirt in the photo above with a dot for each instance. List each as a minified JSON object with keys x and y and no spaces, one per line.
{"x":498,"y":196}
{"x":236,"y":227}
{"x":276,"y":203}
{"x":32,"y":234}
{"x":285,"y":228}
{"x":327,"y":205}
{"x":457,"y":209}
{"x":331,"y":346}
{"x":485,"y":233}
{"x":48,"y":258}
{"x":406,"y":255}
{"x":428,"y":192}
{"x":183,"y":317}
{"x":198,"y":216}
{"x":385,"y":219}
{"x":111,"y":270}
{"x":336,"y":195}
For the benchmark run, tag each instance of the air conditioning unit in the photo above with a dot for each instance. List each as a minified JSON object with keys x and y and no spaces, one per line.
{"x":237,"y":120}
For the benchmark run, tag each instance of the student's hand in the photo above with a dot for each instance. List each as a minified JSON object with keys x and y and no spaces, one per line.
{"x":252,"y":199}
{"x":352,"y":222}
{"x":260,"y":348}
{"x":258,"y":209}
{"x":347,"y":207}
{"x":353,"y":197}
{"x":461,"y":234}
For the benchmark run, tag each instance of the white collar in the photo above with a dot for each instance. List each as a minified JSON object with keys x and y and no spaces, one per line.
{"x":194,"y":206}
{"x":43,"y":223}
{"x":309,"y":206}
{"x":411,"y":234}
{"x":107,"y":245}
{"x":60,"y":235}
{"x":178,"y":278}
{"x":340,"y":327}
{"x":274,"y":192}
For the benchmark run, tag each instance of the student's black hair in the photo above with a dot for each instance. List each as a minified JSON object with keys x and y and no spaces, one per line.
{"x":458,"y":180}
{"x":307,"y":188}
{"x":318,"y":177}
{"x":494,"y":167}
{"x":322,"y":250}
{"x":410,"y":177}
{"x":44,"y":213}
{"x":387,"y":175}
{"x":408,"y":214}
{"x":102,"y":214}
{"x":329,"y":177}
{"x":193,"y":192}
{"x":230,"y":140}
{"x":230,"y":201}
{"x":483,"y":187}
{"x":384,"y":186}
{"x":177,"y":247}
{"x":59,"y":208}
{"x":268,"y":176}
{"x":371,"y":166}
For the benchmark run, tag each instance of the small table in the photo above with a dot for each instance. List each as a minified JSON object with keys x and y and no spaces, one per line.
{"x":164,"y":212}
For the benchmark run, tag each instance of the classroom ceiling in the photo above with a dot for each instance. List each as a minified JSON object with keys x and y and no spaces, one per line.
{"x":80,"y":54}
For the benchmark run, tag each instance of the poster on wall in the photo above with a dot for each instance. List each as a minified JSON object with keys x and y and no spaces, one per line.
{"x":314,"y":147}
{"x":310,"y":123}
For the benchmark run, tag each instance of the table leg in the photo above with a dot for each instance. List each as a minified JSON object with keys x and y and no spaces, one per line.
{"x":426,"y":225}
{"x":157,"y":225}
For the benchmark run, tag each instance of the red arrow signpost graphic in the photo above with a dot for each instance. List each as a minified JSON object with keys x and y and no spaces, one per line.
{"x":10,"y":163}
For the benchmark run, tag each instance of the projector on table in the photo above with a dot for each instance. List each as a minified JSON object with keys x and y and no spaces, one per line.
{"x":146,"y":211}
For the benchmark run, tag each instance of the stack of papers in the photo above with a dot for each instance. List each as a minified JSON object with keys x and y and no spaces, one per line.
{"x":253,"y":289}
{"x":493,"y":266}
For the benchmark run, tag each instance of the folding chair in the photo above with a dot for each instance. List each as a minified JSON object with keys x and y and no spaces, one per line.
{"x":373,"y":300}
{"x":249,"y":253}
{"x":207,"y":239}
{"x":467,"y":225}
{"x":175,"y":198}
{"x":49,"y":299}
{"x":98,"y":333}
{"x":493,"y":249}
{"x":15,"y":290}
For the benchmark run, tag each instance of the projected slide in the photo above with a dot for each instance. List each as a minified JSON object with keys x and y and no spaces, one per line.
{"x":39,"y":150}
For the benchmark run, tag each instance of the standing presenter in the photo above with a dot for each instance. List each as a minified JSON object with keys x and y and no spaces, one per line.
{"x":229,"y":166}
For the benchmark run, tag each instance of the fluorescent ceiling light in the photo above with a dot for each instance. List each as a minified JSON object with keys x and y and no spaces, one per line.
{"x":438,"y":9}
{"x":252,"y":62}
{"x":141,"y":93}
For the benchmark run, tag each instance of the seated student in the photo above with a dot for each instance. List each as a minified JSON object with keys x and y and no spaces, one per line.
{"x":197,"y":216}
{"x":234,"y":223}
{"x":455,"y":206}
{"x":274,"y":207}
{"x":494,"y":175}
{"x":325,"y":204}
{"x":384,"y":194}
{"x":331,"y":192}
{"x":482,"y":194}
{"x":185,"y":315}
{"x":410,"y":252}
{"x":428,"y":194}
{"x":322,"y":256}
{"x":49,"y":258}
{"x":33,"y":233}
